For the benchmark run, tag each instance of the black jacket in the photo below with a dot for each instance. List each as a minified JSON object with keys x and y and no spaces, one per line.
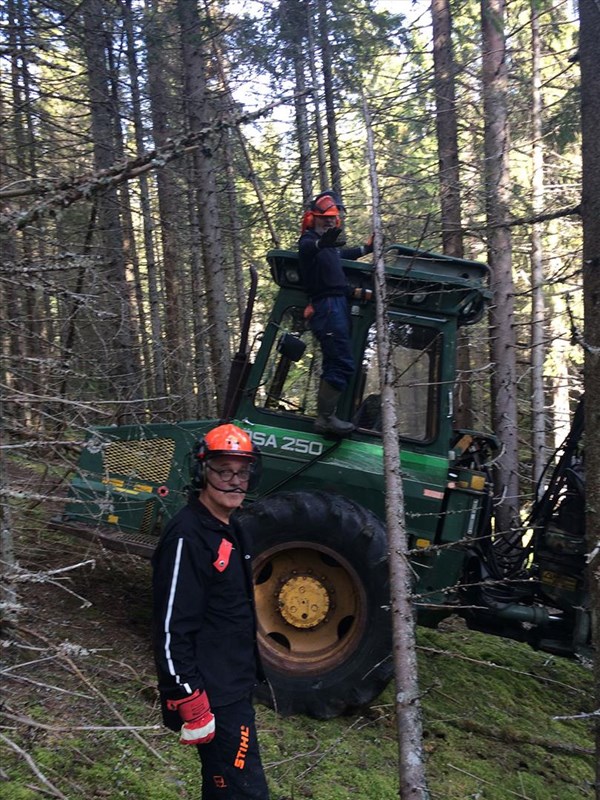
{"x":203,"y":613}
{"x":321,"y":271}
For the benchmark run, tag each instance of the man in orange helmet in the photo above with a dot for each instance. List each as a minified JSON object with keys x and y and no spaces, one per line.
{"x":204,"y":620}
{"x":326,"y":285}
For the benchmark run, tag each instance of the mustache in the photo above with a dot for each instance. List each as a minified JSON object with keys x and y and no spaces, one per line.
{"x":233,"y":490}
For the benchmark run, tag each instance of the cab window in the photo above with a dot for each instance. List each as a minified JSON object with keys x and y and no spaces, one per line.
{"x":289,"y":385}
{"x":415,"y":376}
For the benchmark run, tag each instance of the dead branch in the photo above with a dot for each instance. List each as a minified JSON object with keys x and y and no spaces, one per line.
{"x":34,"y":767}
{"x":534,"y":219}
{"x":22,"y":495}
{"x":591,"y":715}
{"x":491,"y":664}
{"x":514,"y":737}
{"x":24,"y":576}
{"x":62,"y":655}
{"x":15,"y":574}
{"x":63,"y":193}
{"x":42,"y":685}
{"x":483,"y":780}
{"x":32,"y":723}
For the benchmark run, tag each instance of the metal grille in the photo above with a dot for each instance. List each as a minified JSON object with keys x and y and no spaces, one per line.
{"x":147,"y":522}
{"x":146,"y":460}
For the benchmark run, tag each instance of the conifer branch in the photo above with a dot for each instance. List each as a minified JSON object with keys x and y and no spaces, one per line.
{"x":60,"y":194}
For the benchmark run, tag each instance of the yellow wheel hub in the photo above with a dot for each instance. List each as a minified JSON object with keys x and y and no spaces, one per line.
{"x":303,"y":601}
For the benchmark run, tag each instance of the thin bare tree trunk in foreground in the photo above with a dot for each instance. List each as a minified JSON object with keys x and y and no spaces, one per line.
{"x":589,"y":59}
{"x":408,"y":705}
{"x":446,"y":121}
{"x":499,"y":241}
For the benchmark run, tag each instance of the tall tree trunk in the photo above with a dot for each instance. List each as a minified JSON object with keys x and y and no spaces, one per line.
{"x":19,"y":308}
{"x":159,"y":30}
{"x":154,"y":293}
{"x":538,"y":311}
{"x":193,"y":40}
{"x":315,"y":82}
{"x":413,"y":784}
{"x":121,"y":365}
{"x":561,"y":382}
{"x":230,"y":210}
{"x":235,"y":226}
{"x":449,"y":178}
{"x":130,"y":248}
{"x":327,"y":65}
{"x":11,"y":342}
{"x":502,"y":334}
{"x":8,"y":591}
{"x":229,"y":106}
{"x":589,"y":58}
{"x":205,"y":387}
{"x":293,"y":20}
{"x":27,"y":158}
{"x":70,"y":313}
{"x":252,"y":176}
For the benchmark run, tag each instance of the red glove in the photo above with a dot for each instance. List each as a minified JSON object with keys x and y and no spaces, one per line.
{"x":198,"y":720}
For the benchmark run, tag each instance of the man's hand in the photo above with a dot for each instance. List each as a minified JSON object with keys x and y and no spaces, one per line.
{"x":330,"y":239}
{"x":368,"y":245}
{"x":198,"y":720}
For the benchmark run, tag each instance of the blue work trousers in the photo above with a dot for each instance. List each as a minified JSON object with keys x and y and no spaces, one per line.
{"x":332,"y":324}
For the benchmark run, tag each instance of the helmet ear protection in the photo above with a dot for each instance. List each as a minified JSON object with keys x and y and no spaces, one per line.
{"x":308,"y":221}
{"x":225,"y":440}
{"x":199,"y":464}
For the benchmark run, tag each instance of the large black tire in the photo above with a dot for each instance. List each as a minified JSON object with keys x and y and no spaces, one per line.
{"x":322,"y":598}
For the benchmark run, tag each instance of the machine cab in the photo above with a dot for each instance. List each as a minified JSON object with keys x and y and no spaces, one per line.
{"x":429,"y":296}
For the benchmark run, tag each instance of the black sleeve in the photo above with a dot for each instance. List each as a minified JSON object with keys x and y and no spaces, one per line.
{"x":351,"y":253}
{"x":307,"y":247}
{"x":307,"y":252}
{"x":180,"y":582}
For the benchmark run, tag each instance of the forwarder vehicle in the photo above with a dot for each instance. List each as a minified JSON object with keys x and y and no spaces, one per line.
{"x":317,"y":517}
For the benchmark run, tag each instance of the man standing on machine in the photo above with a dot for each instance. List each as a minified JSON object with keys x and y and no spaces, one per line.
{"x":328,"y":312}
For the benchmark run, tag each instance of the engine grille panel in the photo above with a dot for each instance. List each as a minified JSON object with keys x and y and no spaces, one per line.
{"x":147,"y":460}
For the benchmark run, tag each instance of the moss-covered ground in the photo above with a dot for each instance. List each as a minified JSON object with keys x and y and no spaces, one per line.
{"x":80,"y":717}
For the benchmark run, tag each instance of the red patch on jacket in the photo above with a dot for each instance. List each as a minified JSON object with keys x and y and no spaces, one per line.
{"x":223,"y":555}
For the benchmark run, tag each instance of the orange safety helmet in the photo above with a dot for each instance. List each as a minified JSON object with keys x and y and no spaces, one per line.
{"x":326,"y":204}
{"x":228,"y":440}
{"x":225,"y":440}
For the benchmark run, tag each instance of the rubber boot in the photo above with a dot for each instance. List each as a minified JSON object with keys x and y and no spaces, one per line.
{"x":326,"y":421}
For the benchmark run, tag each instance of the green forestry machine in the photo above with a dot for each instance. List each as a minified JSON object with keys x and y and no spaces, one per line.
{"x":317,"y":518}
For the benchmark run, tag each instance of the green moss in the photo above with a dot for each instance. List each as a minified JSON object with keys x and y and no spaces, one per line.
{"x":490,"y":729}
{"x":488,"y":715}
{"x":13,"y":790}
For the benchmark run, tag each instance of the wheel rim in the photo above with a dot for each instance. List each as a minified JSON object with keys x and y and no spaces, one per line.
{"x":310,"y":607}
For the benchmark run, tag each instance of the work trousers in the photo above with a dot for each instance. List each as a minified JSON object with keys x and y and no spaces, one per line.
{"x":331,"y":323}
{"x":231,"y":765}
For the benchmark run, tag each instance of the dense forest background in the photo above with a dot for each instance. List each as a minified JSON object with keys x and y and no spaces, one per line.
{"x":152,"y":151}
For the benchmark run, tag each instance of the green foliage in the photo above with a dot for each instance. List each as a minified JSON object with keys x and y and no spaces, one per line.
{"x":361,"y":37}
